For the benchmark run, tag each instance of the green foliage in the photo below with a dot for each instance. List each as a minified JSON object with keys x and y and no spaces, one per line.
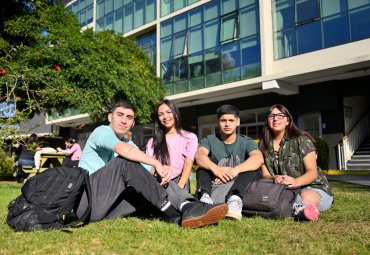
{"x":6,"y":164}
{"x":51,"y":64}
{"x":344,"y":229}
{"x":322,"y":153}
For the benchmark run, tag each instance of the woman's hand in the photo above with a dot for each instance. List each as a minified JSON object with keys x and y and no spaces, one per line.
{"x":164,"y":172}
{"x":289,"y":181}
{"x":181,"y":184}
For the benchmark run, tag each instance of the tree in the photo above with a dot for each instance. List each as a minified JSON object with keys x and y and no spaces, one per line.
{"x":46,"y":63}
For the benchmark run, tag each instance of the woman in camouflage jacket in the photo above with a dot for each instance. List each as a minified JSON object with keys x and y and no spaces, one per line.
{"x":290,"y":159}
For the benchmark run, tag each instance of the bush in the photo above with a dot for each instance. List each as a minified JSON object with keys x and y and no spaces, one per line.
{"x":6,"y":164}
{"x":322,"y":153}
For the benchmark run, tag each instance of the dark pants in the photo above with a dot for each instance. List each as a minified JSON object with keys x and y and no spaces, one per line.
{"x":69,"y":162}
{"x":240,"y":186}
{"x":120,"y":188}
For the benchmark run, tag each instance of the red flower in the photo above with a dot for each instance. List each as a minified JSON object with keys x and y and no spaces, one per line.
{"x":2,"y":72}
{"x":57,"y":68}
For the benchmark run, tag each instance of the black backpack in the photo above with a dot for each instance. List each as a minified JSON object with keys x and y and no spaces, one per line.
{"x":269,"y":200}
{"x":49,"y":200}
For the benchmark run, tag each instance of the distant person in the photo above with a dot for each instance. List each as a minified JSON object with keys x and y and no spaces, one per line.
{"x":74,"y":152}
{"x":171,"y":144}
{"x":290,"y":158}
{"x":26,"y":156}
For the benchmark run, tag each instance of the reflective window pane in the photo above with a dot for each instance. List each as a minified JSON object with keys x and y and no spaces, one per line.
{"x":211,"y":34}
{"x":285,"y":44}
{"x":100,"y":5}
{"x":211,"y":10}
{"x":357,"y":3}
{"x":118,"y":20}
{"x":196,"y":67}
{"x":166,"y":28}
{"x":229,"y":27}
{"x":330,"y":7}
{"x":195,"y":17}
{"x":166,"y":49}
{"x":128,"y":22}
{"x":330,"y":31}
{"x":306,"y":10}
{"x":139,"y":13}
{"x":249,"y":20}
{"x":360,"y":23}
{"x":283,"y":15}
{"x":180,"y":23}
{"x":309,"y":37}
{"x":150,"y":11}
{"x":229,"y":6}
{"x":195,"y":39}
{"x":212,"y":61}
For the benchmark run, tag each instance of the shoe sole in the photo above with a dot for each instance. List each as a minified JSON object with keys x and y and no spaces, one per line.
{"x":212,"y":216}
{"x":311,"y":213}
{"x":234,"y":215}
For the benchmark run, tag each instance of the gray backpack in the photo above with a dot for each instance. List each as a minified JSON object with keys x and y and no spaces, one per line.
{"x":269,"y":200}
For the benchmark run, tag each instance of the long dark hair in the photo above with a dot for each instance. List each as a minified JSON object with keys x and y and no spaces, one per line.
{"x":32,"y":139}
{"x":159,"y":140}
{"x":291,"y":130}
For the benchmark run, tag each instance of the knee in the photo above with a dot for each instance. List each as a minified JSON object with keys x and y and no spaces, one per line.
{"x":310,"y":196}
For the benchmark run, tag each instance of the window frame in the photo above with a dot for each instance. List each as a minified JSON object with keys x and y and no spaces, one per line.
{"x":306,"y":21}
{"x":236,"y":35}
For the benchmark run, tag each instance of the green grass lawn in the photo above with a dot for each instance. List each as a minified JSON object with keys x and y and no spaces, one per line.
{"x":345,"y":229}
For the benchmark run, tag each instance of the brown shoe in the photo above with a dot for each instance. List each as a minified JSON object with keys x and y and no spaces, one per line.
{"x":198,"y":215}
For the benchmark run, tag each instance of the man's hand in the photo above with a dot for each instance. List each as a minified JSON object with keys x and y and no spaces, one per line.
{"x":232,"y":173}
{"x":222,"y":173}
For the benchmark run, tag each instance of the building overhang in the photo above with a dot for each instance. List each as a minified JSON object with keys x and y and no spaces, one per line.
{"x":71,"y":121}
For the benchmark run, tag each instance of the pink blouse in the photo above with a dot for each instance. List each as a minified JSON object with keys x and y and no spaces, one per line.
{"x":75,"y":151}
{"x":180,"y":146}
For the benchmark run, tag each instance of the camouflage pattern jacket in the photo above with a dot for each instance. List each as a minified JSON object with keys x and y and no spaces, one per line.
{"x":289,"y":161}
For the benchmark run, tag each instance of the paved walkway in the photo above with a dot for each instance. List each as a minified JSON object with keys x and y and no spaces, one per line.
{"x":356,"y":179}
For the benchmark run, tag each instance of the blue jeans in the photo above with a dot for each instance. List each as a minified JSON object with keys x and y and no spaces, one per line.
{"x":26,"y":162}
{"x":325,"y":200}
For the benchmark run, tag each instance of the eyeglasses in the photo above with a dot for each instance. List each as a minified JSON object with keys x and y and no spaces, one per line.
{"x":279,"y":116}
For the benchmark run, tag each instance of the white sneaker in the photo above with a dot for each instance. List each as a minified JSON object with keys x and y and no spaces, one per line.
{"x":206,"y":199}
{"x":235,"y":205}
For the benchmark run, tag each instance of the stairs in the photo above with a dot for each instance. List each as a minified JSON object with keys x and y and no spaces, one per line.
{"x":361,"y":158}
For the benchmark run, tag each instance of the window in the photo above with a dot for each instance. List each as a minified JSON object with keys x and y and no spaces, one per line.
{"x":229,"y":27}
{"x":307,"y":11}
{"x":180,"y":45}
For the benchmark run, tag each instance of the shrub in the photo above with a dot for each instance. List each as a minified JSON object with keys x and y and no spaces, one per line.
{"x":6,"y":164}
{"x":322,"y":153}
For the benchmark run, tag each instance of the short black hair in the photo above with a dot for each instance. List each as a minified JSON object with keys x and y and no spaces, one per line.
{"x":124,"y":104}
{"x":227,"y":109}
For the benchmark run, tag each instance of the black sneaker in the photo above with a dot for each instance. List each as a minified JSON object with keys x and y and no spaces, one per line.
{"x":171,"y":215}
{"x":197,"y":215}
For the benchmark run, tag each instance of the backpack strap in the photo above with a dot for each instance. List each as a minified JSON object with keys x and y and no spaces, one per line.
{"x":85,"y":218}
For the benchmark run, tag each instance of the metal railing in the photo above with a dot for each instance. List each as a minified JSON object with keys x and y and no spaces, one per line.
{"x":352,"y":140}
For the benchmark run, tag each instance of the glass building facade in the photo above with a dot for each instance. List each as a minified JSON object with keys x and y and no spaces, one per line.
{"x":302,"y":26}
{"x":123,"y":16}
{"x":219,"y":42}
{"x":84,"y":10}
{"x":209,"y":45}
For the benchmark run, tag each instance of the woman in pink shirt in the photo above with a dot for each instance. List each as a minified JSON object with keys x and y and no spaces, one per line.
{"x":172,"y":145}
{"x":73,"y":150}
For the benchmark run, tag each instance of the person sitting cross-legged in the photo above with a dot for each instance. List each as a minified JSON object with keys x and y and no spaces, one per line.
{"x":228,"y":163}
